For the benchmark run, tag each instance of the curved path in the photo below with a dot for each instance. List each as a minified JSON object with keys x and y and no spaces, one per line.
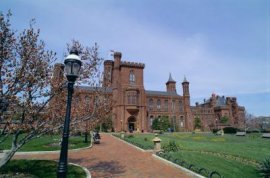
{"x":114,"y":158}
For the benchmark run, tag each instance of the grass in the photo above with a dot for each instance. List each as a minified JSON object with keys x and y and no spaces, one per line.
{"x":38,"y":168}
{"x":230,"y":155}
{"x":47,"y":143}
{"x":226,"y":167}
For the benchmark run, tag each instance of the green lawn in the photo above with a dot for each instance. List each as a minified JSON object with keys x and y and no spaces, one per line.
{"x":38,"y":168}
{"x":230,"y":155}
{"x":47,"y":143}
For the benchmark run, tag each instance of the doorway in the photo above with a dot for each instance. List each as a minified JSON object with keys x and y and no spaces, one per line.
{"x":132,"y":123}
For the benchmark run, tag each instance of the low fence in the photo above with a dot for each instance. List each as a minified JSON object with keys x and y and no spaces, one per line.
{"x":192,"y":167}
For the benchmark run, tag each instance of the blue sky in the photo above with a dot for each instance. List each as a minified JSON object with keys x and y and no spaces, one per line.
{"x":222,"y":47}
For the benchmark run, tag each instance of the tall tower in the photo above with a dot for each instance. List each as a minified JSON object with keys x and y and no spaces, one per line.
{"x":108,"y":72}
{"x":186,"y":101}
{"x":116,"y":89}
{"x":170,"y":84}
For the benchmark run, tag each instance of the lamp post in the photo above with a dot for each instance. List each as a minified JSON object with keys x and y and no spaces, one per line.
{"x":72,"y":69}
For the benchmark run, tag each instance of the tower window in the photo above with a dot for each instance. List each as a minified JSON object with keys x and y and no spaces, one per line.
{"x":131,"y":77}
{"x":132,"y":97}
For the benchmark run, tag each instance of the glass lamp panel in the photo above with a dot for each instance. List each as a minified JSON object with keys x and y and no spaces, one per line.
{"x":68,"y":68}
{"x":76,"y":69}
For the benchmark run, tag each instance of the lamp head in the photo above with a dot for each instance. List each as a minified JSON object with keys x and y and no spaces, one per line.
{"x":73,"y":65}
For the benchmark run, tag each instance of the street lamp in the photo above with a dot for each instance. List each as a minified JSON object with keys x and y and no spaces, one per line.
{"x":72,"y":69}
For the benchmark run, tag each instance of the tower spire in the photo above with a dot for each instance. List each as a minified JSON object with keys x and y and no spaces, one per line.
{"x":170,"y":79}
{"x":170,"y":84}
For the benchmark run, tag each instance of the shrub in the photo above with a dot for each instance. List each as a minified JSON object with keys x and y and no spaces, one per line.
{"x":171,"y":147}
{"x":215,"y":131}
{"x":161,"y":123}
{"x":130,"y":136}
{"x":197,"y":123}
{"x":230,"y":130}
{"x":224,"y":119}
{"x":264,"y":167}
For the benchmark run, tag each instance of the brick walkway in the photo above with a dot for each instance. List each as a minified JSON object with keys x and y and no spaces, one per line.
{"x":114,"y":158}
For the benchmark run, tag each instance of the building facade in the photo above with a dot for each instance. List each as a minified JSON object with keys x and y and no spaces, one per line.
{"x":219,"y":112}
{"x":135,"y":108}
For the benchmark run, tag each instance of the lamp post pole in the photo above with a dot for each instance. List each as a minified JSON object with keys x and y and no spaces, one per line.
{"x":72,"y":68}
{"x":62,"y":165}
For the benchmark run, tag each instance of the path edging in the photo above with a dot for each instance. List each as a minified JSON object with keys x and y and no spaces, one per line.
{"x":45,"y":152}
{"x":178,"y":166}
{"x":134,"y":146}
{"x":88,"y":174}
{"x":162,"y":159}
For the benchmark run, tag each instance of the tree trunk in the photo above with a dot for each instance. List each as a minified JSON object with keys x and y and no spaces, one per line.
{"x":85,"y":137}
{"x":7,"y":156}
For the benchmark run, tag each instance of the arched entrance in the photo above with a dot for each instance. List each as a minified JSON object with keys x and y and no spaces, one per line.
{"x":132,"y":123}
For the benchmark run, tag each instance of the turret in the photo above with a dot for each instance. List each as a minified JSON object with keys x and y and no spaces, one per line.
{"x":185,"y":85}
{"x":170,"y":84}
{"x":117,"y":59}
{"x":186,"y":101}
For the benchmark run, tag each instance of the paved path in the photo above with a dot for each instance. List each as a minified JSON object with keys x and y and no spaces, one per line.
{"x":114,"y":158}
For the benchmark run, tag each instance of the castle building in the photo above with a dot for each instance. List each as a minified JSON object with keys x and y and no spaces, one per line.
{"x":219,"y":112}
{"x":135,"y":108}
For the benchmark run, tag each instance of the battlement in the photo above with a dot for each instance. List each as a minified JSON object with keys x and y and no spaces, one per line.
{"x":132,"y":64}
{"x":108,"y":62}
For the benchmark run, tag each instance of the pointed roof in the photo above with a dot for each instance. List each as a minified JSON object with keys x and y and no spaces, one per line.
{"x":185,"y":79}
{"x":171,"y":80}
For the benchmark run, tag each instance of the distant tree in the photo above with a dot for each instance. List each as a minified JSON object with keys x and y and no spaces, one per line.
{"x":155,"y":124}
{"x":197,"y":123}
{"x":224,"y":120}
{"x":161,"y":123}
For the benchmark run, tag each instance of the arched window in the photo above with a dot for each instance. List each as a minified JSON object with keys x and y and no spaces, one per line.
{"x":173,"y":105}
{"x":166,"y":105}
{"x":131,"y":77}
{"x":181,"y":109}
{"x":158,"y":104}
{"x":151,"y":120}
{"x":150,"y":104}
{"x":181,"y":121}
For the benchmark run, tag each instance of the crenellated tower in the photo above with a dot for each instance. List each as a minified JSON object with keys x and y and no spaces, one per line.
{"x":108,"y":72}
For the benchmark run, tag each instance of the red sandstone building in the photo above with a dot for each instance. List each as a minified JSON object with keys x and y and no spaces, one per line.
{"x":134,"y":107}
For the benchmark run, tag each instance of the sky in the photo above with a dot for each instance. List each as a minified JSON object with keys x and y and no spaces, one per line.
{"x":221,"y":47}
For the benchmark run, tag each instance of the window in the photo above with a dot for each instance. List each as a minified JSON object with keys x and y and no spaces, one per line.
{"x":131,"y":77}
{"x":132,"y":97}
{"x":173,"y":105}
{"x":181,"y":106}
{"x":151,"y":120}
{"x":166,"y":105}
{"x":158,"y":104}
{"x":181,"y":121}
{"x":150,"y":104}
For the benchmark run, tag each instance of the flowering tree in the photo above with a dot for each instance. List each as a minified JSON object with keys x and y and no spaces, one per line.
{"x":26,"y":88}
